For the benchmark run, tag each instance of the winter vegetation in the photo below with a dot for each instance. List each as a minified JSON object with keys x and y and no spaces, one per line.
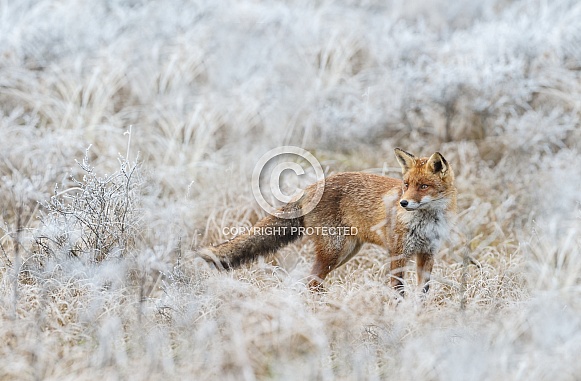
{"x":129,"y":131}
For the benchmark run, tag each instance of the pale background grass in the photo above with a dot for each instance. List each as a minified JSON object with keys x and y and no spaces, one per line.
{"x":205,"y":88}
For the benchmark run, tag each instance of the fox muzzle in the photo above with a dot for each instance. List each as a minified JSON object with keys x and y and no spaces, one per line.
{"x":409,"y":205}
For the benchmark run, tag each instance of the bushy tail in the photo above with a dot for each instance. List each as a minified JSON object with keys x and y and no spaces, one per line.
{"x":268,"y":235}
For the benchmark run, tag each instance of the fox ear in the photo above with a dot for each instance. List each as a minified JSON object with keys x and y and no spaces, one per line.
{"x":405,"y":159}
{"x":438,"y":164}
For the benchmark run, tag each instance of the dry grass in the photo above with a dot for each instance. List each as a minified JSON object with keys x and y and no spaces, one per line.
{"x":96,"y":273}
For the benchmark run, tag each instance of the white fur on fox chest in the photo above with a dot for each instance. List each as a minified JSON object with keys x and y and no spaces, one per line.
{"x":426,"y":229}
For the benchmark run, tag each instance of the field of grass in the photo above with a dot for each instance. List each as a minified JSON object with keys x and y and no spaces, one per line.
{"x":129,"y":131}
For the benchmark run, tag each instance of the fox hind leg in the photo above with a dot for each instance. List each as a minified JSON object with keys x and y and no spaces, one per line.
{"x":330,"y":253}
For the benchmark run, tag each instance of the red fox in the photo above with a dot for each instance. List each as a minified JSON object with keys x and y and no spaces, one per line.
{"x":409,"y":218}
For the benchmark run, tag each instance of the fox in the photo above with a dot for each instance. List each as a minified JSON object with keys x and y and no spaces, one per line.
{"x":409,"y":217}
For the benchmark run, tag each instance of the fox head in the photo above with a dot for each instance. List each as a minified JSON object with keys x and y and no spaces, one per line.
{"x":428,"y":183}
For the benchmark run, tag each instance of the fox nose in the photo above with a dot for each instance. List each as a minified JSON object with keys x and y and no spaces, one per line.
{"x":404,"y":203}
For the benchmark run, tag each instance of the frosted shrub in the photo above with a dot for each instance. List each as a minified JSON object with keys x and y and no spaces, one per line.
{"x":95,"y":219}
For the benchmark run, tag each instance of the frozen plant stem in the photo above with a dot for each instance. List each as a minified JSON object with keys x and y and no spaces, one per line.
{"x":464,"y":278}
{"x":17,"y":260}
{"x":128,"y":132}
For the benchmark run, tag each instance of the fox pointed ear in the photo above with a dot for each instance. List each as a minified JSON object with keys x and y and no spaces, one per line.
{"x":438,"y":164}
{"x":405,"y":159}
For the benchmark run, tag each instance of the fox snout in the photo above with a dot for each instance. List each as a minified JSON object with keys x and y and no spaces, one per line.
{"x":409,"y":205}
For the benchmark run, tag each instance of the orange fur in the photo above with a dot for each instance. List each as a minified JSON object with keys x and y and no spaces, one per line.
{"x":408,"y":218}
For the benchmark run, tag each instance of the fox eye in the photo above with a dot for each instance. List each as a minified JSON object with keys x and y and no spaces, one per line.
{"x":406,"y":185}
{"x":424,"y":186}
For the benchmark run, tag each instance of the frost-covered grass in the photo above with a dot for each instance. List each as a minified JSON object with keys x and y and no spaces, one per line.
{"x":129,"y":131}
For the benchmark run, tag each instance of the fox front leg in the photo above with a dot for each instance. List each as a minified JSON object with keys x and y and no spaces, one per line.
{"x":397,"y":267}
{"x":424,"y":263}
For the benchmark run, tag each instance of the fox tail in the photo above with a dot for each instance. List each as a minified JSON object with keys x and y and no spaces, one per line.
{"x":267,"y":236}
